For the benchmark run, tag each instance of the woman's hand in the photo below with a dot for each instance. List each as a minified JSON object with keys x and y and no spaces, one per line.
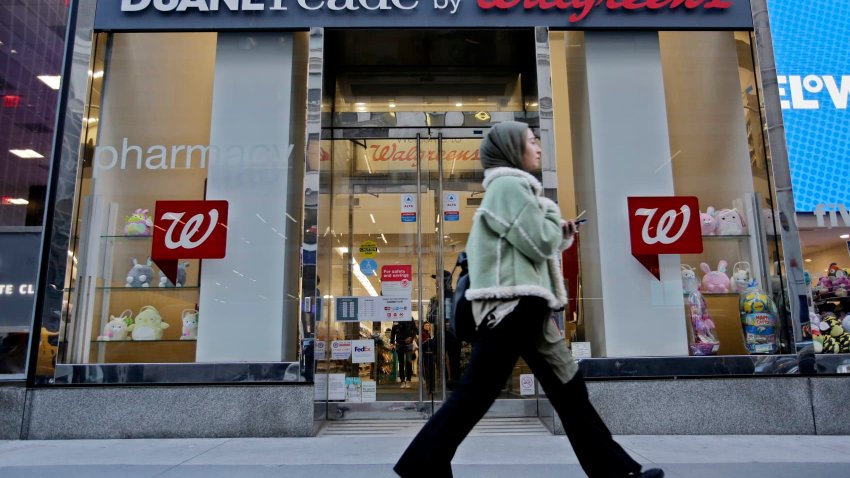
{"x":569,"y":228}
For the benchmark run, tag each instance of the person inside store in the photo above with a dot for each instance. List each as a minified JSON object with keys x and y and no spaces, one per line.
{"x":402,"y":338}
{"x":515,"y":277}
{"x":427,"y":349}
{"x":452,"y":343}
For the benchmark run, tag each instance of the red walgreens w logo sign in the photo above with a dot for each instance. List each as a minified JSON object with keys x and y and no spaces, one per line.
{"x":663,"y":225}
{"x":188,"y":230}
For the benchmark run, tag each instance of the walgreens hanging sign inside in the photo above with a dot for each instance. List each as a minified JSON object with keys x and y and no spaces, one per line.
{"x":578,"y":14}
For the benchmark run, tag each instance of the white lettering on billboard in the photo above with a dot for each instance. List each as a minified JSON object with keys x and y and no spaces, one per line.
{"x":812,"y":92}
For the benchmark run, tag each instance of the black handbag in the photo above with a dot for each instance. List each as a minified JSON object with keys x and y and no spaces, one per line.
{"x":461,"y":322}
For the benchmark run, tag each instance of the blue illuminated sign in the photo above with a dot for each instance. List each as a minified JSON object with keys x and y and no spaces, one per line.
{"x":813,"y":67}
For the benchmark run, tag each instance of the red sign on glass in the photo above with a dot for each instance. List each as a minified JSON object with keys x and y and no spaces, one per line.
{"x":663,"y":225}
{"x":188,"y":230}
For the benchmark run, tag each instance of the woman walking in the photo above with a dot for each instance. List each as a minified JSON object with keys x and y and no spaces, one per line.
{"x":515,"y":283}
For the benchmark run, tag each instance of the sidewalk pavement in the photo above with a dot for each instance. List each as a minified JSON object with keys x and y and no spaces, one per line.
{"x":372,"y":457}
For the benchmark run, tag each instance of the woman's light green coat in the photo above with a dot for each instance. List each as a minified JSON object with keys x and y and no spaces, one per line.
{"x":516,"y":239}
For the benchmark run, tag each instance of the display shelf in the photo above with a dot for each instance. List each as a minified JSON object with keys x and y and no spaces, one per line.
{"x":146,"y":289}
{"x":727,"y":237}
{"x":722,"y":294}
{"x":138,"y":341}
{"x":124,"y":236}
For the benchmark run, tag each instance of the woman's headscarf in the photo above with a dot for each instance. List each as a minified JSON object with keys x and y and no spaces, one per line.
{"x":504,"y":145}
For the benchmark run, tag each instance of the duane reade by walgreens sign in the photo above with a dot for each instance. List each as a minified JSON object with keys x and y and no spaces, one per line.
{"x":580,"y":8}
{"x":585,"y":14}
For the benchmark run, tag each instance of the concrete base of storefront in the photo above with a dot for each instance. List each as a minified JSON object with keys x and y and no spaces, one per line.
{"x":746,"y":406}
{"x":12,"y":399}
{"x":737,"y":406}
{"x":829,"y":403}
{"x":169,"y":412}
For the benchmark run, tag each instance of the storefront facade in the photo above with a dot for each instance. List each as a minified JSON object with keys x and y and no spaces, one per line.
{"x":263,"y":202}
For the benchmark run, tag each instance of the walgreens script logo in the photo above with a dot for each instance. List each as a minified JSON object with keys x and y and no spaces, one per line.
{"x":582,"y":8}
{"x":190,"y":230}
{"x":663,"y":225}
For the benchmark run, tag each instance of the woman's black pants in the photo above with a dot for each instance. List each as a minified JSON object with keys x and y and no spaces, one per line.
{"x":404,"y":352}
{"x":494,"y":355}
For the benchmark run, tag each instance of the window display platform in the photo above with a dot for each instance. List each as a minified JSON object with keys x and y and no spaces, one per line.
{"x":805,"y":363}
{"x":172,"y":374}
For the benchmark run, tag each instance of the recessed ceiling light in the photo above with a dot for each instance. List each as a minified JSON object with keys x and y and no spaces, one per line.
{"x":458,"y":105}
{"x":807,"y":260}
{"x":15,"y":201}
{"x":359,"y":104}
{"x":25,"y":153}
{"x":51,"y":81}
{"x":845,"y":236}
{"x":392,"y":105}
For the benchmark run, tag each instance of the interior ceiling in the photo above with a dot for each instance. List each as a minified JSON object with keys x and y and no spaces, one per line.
{"x":444,"y":69}
{"x":32,"y":35}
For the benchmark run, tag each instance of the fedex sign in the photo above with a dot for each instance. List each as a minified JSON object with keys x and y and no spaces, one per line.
{"x":663,"y":225}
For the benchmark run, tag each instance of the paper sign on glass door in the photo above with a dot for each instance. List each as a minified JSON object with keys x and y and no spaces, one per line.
{"x":408,"y":208}
{"x":451,"y":206}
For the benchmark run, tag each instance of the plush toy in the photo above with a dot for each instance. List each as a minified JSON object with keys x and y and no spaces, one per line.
{"x":730,"y":223}
{"x":690,"y":283}
{"x":704,"y":340}
{"x":116,"y":328}
{"x":824,"y":286}
{"x":767,"y":216}
{"x":840,"y":283}
{"x":740,"y":276}
{"x":708,"y":222}
{"x":190,"y":325}
{"x":138,"y":224}
{"x":181,"y":276}
{"x":140,"y":275}
{"x":148,"y":324}
{"x":845,"y":323}
{"x":715,"y":282}
{"x":829,"y":325}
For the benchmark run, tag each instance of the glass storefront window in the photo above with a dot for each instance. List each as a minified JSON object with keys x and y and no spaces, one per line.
{"x":669,"y":114}
{"x":189,"y":137}
{"x":32,"y":42}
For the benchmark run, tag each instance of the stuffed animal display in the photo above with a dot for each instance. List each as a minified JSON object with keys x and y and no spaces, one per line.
{"x":190,"y":325}
{"x":138,"y":224}
{"x":148,"y":324}
{"x":181,"y":276}
{"x":723,"y":222}
{"x":829,"y":334}
{"x":835,"y":284}
{"x":715,"y":282}
{"x":117,"y":327}
{"x":140,"y":275}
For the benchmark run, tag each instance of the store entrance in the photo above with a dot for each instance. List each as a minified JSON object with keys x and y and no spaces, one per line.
{"x":400,"y":183}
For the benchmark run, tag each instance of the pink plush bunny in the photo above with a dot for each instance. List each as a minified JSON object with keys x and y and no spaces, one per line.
{"x":708,"y":223}
{"x":715,"y":282}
